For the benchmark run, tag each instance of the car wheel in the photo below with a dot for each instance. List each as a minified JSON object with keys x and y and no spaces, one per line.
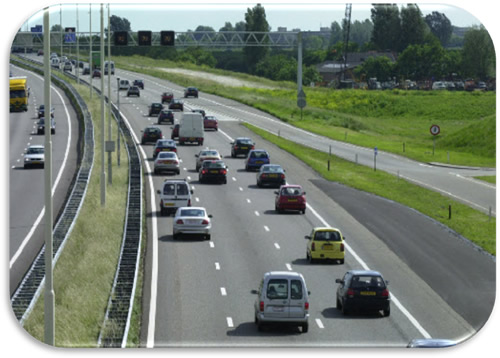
{"x":387,"y":312}
{"x":207,"y":237}
{"x":232,"y":155}
{"x":178,"y":172}
{"x":345,"y":311}
{"x":260,"y":326}
{"x":225,"y":181}
{"x":304,"y":211}
{"x":163,"y":211}
{"x":247,"y":168}
{"x":259,"y":184}
{"x":339,"y":304}
{"x":305,"y":327}
{"x":175,"y":236}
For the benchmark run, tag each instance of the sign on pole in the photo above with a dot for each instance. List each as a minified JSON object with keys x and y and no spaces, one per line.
{"x":301,"y":99}
{"x":435,"y":130}
{"x":70,"y":35}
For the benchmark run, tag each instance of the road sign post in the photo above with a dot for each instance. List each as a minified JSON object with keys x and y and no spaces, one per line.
{"x":375,"y":152}
{"x":301,"y":101}
{"x":435,"y":130}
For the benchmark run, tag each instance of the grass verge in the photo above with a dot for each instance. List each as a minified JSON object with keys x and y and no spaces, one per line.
{"x":84,"y":273}
{"x":470,"y":223}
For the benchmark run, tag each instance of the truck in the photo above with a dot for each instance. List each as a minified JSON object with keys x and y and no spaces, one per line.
{"x":191,"y":129}
{"x":19,"y":93}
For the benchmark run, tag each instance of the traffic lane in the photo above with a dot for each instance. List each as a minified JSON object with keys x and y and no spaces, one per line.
{"x":373,"y":251}
{"x":461,"y":274}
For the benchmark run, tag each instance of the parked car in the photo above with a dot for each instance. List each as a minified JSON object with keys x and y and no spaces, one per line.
{"x":139,"y":83}
{"x":438,"y":85}
{"x":325,"y":243}
{"x":166,"y":161}
{"x":151,"y":134}
{"x":210,"y":122}
{"x":174,"y":193}
{"x":167,"y":97}
{"x":192,"y":221}
{"x":290,"y":197}
{"x":241,"y":145}
{"x":155,"y":109}
{"x":34,"y":156}
{"x":271,"y":174}
{"x":166,"y":115}
{"x":40,"y":126}
{"x":363,"y":290}
{"x":164,"y":145}
{"x":191,"y":91}
{"x":256,"y":158}
{"x":176,"y":105}
{"x":133,"y":91}
{"x":282,"y":298}
{"x":213,"y":170}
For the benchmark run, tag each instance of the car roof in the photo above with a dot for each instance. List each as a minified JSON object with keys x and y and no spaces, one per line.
{"x":365,"y":272}
{"x":282,"y":274}
{"x":36,"y":146}
{"x":291,"y":186}
{"x":325,"y":228}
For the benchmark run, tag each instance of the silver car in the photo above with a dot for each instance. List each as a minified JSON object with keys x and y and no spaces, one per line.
{"x":282,"y":298}
{"x":192,"y":221}
{"x":35,"y":156}
{"x":166,"y":161}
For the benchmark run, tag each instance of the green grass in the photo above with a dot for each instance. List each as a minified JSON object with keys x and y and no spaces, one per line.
{"x":489,"y":179}
{"x":394,"y":121}
{"x":430,"y":203}
{"x":84,"y":273}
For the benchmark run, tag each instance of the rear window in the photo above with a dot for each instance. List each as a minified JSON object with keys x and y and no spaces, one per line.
{"x":277,"y":288}
{"x":210,"y":164}
{"x":296,"y":292}
{"x":244,"y":141}
{"x":192,"y":212}
{"x":367,"y":282}
{"x":164,"y":155}
{"x":259,"y":155}
{"x":169,"y":189}
{"x":182,"y":189}
{"x":327,"y":236}
{"x":291,"y":191}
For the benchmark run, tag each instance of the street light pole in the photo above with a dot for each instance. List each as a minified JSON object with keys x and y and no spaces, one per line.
{"x":118,"y":124}
{"x":103,"y":148}
{"x":110,"y":167}
{"x":49,"y":302}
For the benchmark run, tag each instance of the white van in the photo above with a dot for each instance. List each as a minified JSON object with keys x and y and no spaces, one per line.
{"x":55,"y":62}
{"x":282,"y":297}
{"x":107,"y":65}
{"x":175,"y":193}
{"x":124,"y":85}
{"x":191,"y":129}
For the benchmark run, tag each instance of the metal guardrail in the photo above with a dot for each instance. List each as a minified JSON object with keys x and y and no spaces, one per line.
{"x":30,"y":287}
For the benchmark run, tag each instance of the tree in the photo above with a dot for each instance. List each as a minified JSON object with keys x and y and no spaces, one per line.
{"x":478,"y":54}
{"x":255,"y":19}
{"x":361,"y":32}
{"x":413,"y":27}
{"x":422,"y":62}
{"x":379,"y":67}
{"x":440,"y":26}
{"x":336,"y":34}
{"x":386,"y":26}
{"x":119,"y":24}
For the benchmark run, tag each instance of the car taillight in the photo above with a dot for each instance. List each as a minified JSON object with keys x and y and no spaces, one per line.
{"x":313,"y":246}
{"x":282,"y":176}
{"x":174,"y":150}
{"x":236,"y":147}
{"x":261,"y":306}
{"x":385,"y":293}
{"x":204,"y":222}
{"x":157,"y":150}
{"x":263,"y":176}
{"x":306,"y":305}
{"x":253,"y":147}
{"x":350,"y":292}
{"x":224,"y":171}
{"x":189,"y":202}
{"x":179,"y":222}
{"x":341,"y":247}
{"x":203,"y":171}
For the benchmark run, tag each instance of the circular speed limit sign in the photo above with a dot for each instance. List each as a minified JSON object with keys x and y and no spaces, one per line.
{"x":435,"y":130}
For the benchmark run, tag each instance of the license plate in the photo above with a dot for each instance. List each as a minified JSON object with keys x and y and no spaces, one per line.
{"x":244,"y":147}
{"x":292,"y":200}
{"x":368,"y":293}
{"x":278,"y":309}
{"x":214,"y":171}
{"x":259,"y":162}
{"x":191,"y":139}
{"x":273,"y":175}
{"x":327,"y":247}
{"x":191,"y":222}
{"x":169,"y":204}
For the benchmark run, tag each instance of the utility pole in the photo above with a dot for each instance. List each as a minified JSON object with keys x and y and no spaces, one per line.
{"x":49,"y":300}
{"x":103,"y":172}
{"x":110,"y":140}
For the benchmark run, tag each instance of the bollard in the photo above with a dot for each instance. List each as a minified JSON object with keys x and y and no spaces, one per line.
{"x":328,"y":164}
{"x":449,"y":212}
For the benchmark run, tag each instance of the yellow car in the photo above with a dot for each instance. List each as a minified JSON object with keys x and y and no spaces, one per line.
{"x":325,"y":243}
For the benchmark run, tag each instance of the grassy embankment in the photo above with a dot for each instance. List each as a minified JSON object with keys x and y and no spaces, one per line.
{"x":373,"y":118}
{"x":84,"y":273}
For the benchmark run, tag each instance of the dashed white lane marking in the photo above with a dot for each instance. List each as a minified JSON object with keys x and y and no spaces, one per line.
{"x":241,"y":189}
{"x":266,"y":228}
{"x":223,"y":291}
{"x":212,"y":245}
{"x":229,"y":322}
{"x":217,"y":266}
{"x":197,"y":199}
{"x":288,"y":267}
{"x":234,"y":179}
{"x":319,"y":323}
{"x":248,"y":201}
{"x":276,"y":246}
{"x":256,"y":213}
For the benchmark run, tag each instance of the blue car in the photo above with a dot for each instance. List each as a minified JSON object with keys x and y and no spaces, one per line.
{"x":256,"y":158}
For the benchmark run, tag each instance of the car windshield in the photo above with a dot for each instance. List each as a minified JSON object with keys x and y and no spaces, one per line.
{"x":192,"y":212}
{"x":35,"y":151}
{"x":209,"y":153}
{"x":367,"y":281}
{"x":327,"y":236}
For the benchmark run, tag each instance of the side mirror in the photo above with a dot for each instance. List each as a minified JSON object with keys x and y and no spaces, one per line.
{"x":387,"y":282}
{"x":210,"y":216}
{"x":307,"y":237}
{"x":158,"y":191}
{"x":338,"y":280}
{"x":309,"y":293}
{"x":196,"y":155}
{"x":277,"y":192}
{"x":254,"y":292}
{"x":192,"y":192}
{"x":344,"y":238}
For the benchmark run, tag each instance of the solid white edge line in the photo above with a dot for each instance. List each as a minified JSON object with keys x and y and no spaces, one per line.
{"x":396,"y":301}
{"x":59,"y":175}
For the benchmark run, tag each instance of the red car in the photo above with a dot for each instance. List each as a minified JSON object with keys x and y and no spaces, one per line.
{"x":175,"y":131}
{"x":96,"y":73}
{"x":290,"y":197}
{"x":167,"y":97}
{"x":210,"y":122}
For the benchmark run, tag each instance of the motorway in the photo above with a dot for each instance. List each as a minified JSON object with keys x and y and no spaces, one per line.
{"x":26,"y":186}
{"x":200,"y":291}
{"x":197,"y":293}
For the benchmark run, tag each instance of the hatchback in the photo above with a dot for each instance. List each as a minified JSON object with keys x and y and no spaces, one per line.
{"x":192,"y":221}
{"x":164,"y":145}
{"x":175,"y":131}
{"x":210,"y":122}
{"x":155,"y":109}
{"x":151,"y":134}
{"x":40,"y":126}
{"x":191,"y":91}
{"x":167,"y":97}
{"x":271,"y":174}
{"x":282,"y":297}
{"x":256,"y":158}
{"x":133,"y":91}
{"x":215,"y":170}
{"x":206,"y":154}
{"x":290,"y":197}
{"x":363,"y":290}
{"x":241,"y":146}
{"x":96,"y":74}
{"x":166,"y":116}
{"x":325,"y":243}
{"x":166,"y":161}
{"x":176,"y":105}
{"x":139,"y":83}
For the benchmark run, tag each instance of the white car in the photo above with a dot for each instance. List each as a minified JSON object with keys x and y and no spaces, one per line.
{"x":35,"y":156}
{"x":167,"y":161}
{"x":192,"y":221}
{"x":206,"y":154}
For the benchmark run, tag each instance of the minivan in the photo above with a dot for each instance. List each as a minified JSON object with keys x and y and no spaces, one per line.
{"x":282,"y":297}
{"x":124,"y":85}
{"x":175,"y":193}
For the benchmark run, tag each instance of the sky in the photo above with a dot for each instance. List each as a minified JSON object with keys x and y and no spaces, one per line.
{"x":180,"y":18}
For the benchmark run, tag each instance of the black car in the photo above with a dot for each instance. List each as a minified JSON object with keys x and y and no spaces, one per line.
{"x":191,"y":91}
{"x":175,"y":131}
{"x":41,"y":126}
{"x":176,"y":105}
{"x":166,"y":116}
{"x":363,"y":290}
{"x":151,"y":135}
{"x":164,"y":145}
{"x":155,"y":109}
{"x":271,"y":174}
{"x":241,"y":146}
{"x":213,"y":170}
{"x":133,"y":91}
{"x":41,"y":111}
{"x":139,"y":83}
{"x":86,"y":71}
{"x":200,"y":111}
